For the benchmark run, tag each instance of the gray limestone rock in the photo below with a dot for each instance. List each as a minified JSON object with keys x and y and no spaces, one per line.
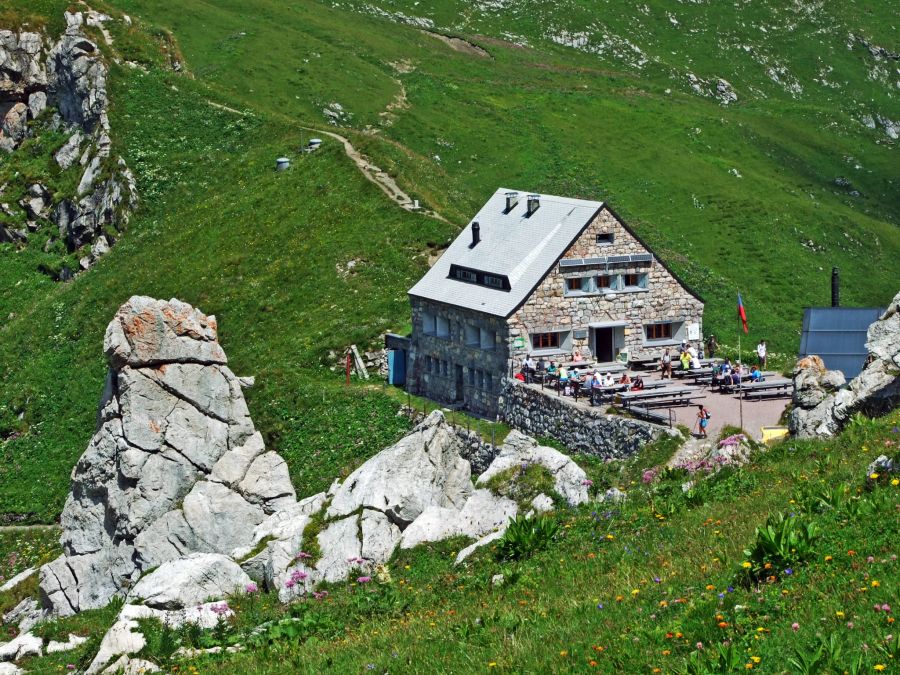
{"x":190,"y":581}
{"x":143,"y":494}
{"x":422,"y":469}
{"x":67,"y":155}
{"x":268,"y":483}
{"x":518,"y":450}
{"x":24,"y":645}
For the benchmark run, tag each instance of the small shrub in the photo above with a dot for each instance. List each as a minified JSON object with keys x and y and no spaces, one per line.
{"x":526,"y":536}
{"x":780,"y":543}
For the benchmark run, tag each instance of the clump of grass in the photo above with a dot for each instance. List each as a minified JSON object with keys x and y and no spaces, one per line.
{"x":523,"y":483}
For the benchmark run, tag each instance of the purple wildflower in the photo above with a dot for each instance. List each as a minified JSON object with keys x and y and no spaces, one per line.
{"x":220,"y":608}
{"x":290,"y":583}
{"x":364,"y":580}
{"x":788,"y":571}
{"x":302,"y":555}
{"x":251,"y":588}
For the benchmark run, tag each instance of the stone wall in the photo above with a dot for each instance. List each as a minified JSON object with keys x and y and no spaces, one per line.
{"x":580,"y":430}
{"x":549,"y":308}
{"x":478,"y":384}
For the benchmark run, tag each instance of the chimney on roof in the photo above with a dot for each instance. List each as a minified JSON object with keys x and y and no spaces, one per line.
{"x":512,"y":198}
{"x":476,"y":234}
{"x":835,"y":287}
{"x":534,"y":203}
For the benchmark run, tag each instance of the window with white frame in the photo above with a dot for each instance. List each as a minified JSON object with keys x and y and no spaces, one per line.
{"x":549,"y":342}
{"x":663,"y":332}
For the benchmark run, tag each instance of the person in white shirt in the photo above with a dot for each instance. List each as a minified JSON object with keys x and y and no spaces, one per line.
{"x":695,"y":362}
{"x":692,"y":351}
{"x":608,"y":380}
{"x":762,"y":353}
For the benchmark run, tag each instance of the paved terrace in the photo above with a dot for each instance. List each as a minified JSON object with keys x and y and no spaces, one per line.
{"x":724,"y":408}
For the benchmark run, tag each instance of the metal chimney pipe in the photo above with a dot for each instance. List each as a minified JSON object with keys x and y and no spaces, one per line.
{"x":835,"y":287}
{"x":476,"y":234}
{"x":534,"y":203}
{"x":512,"y":198}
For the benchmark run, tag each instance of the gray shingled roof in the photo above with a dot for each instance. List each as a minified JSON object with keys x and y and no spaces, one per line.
{"x":519,"y":247}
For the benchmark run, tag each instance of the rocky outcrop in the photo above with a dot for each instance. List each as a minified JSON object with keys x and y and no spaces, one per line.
{"x":824,"y":403}
{"x":176,"y":500}
{"x":170,"y":470}
{"x":67,"y":77}
{"x":570,"y":480}
{"x":23,"y":85}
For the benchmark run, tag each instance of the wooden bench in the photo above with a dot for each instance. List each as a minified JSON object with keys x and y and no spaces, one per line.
{"x":649,"y":415}
{"x":660,"y":397}
{"x":767,"y":389}
{"x":730,"y":388}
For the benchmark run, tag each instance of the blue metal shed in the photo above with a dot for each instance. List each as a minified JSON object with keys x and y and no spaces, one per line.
{"x":838,"y":336}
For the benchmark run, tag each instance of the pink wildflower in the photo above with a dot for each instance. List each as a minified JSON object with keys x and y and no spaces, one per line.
{"x":795,"y":626}
{"x":364,"y":580}
{"x":251,"y":588}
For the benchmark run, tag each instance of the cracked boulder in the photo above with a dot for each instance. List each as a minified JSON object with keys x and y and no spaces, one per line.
{"x":175,"y":466}
{"x":519,"y":450}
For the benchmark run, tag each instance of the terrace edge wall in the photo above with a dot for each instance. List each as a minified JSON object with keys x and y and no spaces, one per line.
{"x":588,"y":431}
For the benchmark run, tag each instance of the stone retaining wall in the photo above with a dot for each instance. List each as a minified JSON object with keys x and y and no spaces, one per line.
{"x":581,"y":430}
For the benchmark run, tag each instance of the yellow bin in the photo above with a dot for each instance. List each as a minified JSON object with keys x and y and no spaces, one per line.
{"x":771,"y":434}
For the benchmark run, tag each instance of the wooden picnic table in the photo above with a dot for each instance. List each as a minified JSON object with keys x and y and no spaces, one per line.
{"x":728,"y":387}
{"x":766,"y":389}
{"x":661,"y":396}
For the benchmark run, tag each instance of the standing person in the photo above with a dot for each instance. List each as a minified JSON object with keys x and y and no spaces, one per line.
{"x":762,"y":353}
{"x":712,"y":346}
{"x":703,"y":419}
{"x":666,"y":364}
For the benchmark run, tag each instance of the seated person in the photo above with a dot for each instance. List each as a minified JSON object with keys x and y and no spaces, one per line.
{"x":685,"y":359}
{"x":563,"y":374}
{"x":638,"y":383}
{"x":595,"y":379}
{"x":576,"y":356}
{"x":755,"y":374}
{"x":695,"y":363}
{"x":551,"y":369}
{"x":608,"y":380}
{"x":735,"y":377}
{"x":520,"y":376}
{"x":541,"y":365}
{"x":625,"y":379}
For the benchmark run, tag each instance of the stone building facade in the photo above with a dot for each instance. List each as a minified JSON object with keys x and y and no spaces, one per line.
{"x":633,"y":309}
{"x":554,"y":278}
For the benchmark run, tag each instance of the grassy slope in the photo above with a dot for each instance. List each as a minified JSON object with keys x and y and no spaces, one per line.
{"x":628,"y":588}
{"x":261,"y":255}
{"x":218,"y":228}
{"x":555,"y":119}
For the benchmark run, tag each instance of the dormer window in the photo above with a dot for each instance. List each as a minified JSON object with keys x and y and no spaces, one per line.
{"x":463,"y":274}
{"x":493,"y":281}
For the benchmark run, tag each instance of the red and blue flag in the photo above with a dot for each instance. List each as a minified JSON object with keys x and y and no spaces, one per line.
{"x":742,"y":314}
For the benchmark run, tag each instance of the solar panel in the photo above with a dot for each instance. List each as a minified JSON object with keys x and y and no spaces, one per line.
{"x":641,"y":257}
{"x":616,"y":259}
{"x":571,"y":262}
{"x":595,"y":261}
